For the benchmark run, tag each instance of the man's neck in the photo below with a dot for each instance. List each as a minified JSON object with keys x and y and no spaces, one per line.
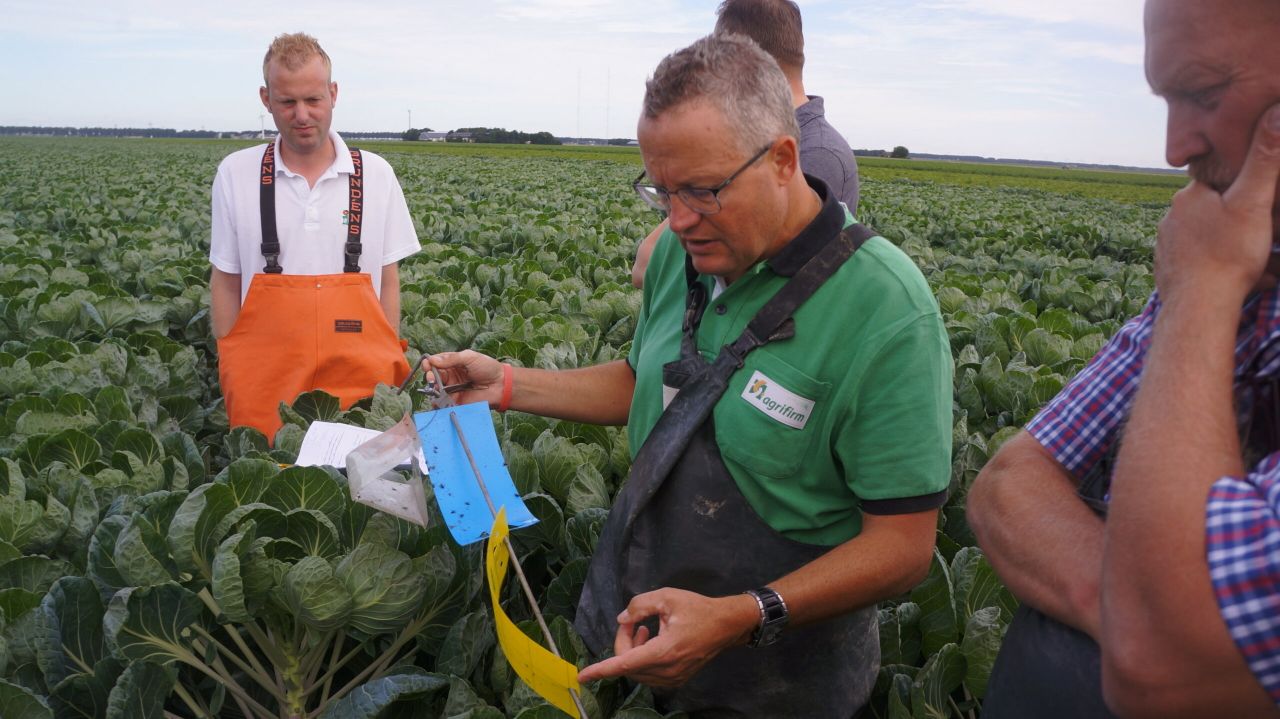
{"x":807,"y":206}
{"x":803,"y":205}
{"x":310,"y":165}
{"x":798,"y":96}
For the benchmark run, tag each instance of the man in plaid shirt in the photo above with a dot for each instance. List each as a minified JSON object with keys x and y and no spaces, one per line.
{"x":1180,"y":585}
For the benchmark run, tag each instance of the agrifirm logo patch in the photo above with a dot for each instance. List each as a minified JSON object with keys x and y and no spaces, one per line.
{"x":779,"y":403}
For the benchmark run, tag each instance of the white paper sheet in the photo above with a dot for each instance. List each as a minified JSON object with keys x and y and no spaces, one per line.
{"x":329,"y":443}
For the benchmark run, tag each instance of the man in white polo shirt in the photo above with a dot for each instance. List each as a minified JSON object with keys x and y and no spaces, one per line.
{"x":306,"y":236}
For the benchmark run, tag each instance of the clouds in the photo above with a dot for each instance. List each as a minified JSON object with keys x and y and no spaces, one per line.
{"x":1001,"y":77}
{"x":1117,"y":15}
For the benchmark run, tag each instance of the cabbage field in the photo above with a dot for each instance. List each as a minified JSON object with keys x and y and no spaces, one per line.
{"x":154,"y":564}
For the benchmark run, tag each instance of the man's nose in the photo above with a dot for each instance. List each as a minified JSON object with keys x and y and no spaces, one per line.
{"x":680,"y":216}
{"x":1184,"y":137}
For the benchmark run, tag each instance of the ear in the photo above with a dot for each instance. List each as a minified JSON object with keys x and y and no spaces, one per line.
{"x":265,"y":96}
{"x":784,"y":158}
{"x":333,"y":93}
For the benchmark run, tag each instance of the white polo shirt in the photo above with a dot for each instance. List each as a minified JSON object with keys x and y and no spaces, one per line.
{"x":310,"y":221}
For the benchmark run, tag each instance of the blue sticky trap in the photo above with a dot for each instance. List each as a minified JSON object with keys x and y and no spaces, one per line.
{"x":457,"y":492}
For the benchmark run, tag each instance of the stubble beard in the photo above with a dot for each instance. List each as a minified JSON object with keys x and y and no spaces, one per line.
{"x":1211,"y":172}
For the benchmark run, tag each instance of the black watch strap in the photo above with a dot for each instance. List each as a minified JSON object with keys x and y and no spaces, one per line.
{"x":773,"y":617}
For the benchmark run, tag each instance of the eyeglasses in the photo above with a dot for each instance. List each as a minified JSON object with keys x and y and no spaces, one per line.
{"x":702,"y":200}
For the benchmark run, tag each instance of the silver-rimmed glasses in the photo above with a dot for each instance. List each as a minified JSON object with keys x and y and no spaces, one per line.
{"x":702,"y":200}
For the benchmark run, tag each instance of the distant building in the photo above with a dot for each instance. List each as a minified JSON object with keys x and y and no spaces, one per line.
{"x":433,"y":136}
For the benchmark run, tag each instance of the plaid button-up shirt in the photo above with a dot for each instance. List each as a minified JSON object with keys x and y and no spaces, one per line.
{"x":1082,"y":424}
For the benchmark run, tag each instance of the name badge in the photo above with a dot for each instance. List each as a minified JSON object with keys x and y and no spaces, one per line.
{"x":776,"y":401}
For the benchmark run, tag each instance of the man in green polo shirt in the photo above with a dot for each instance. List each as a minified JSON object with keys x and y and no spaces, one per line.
{"x":844,"y":419}
{"x":810,"y":490}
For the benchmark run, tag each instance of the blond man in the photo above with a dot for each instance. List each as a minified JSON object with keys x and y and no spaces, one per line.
{"x":306,"y":237}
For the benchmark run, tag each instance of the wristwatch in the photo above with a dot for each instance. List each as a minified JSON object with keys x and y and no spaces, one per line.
{"x":773,"y":617}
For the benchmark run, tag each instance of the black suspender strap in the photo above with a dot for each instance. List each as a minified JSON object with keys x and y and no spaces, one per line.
{"x":355,"y":213}
{"x":267,"y":210}
{"x":773,"y":321}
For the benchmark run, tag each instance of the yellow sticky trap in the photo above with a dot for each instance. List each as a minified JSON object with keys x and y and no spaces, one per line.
{"x":548,"y":675}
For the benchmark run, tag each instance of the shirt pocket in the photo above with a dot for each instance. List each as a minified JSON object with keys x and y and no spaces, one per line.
{"x":770,"y":415}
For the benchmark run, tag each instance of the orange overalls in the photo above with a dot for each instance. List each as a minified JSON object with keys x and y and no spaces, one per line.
{"x":296,"y":333}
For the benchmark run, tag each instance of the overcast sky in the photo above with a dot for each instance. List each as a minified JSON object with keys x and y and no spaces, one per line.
{"x":1006,"y":78}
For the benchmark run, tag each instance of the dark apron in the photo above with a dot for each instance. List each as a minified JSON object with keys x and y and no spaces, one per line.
{"x":1049,"y":670}
{"x":681,"y":521}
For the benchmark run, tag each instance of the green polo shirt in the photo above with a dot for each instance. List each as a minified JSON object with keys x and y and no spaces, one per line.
{"x":851,"y":415}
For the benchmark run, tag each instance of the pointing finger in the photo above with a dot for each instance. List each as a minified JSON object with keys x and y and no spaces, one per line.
{"x":638,"y":660}
{"x":615,"y":666}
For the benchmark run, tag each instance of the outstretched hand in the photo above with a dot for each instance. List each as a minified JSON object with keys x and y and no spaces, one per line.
{"x":1211,"y":244}
{"x":692,"y":629}
{"x":482,"y":371}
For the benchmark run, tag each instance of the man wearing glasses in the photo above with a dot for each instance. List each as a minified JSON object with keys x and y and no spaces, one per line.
{"x":776,"y":26}
{"x":741,"y":577}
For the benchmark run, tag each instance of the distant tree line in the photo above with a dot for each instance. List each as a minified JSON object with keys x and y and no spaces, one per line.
{"x":160,"y":132}
{"x":504,"y":137}
{"x":898,"y":151}
{"x":465,"y":134}
{"x":105,"y":131}
{"x":413,"y":133}
{"x":381,"y":135}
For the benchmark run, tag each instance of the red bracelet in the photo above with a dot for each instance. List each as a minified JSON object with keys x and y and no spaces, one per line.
{"x":507,"y":374}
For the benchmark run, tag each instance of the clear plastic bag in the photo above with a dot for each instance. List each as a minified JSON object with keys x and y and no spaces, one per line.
{"x":374,"y":480}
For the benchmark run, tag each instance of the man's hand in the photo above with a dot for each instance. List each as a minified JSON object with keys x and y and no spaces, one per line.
{"x":600,"y":394}
{"x":482,"y":371}
{"x":1211,"y":243}
{"x":643,"y":252}
{"x":692,"y":629}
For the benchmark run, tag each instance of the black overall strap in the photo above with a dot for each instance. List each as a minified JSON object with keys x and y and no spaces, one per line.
{"x":690,"y":408}
{"x":267,"y":211}
{"x":355,"y":213}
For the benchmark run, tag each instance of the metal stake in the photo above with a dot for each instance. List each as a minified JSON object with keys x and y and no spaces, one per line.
{"x":515,"y":560}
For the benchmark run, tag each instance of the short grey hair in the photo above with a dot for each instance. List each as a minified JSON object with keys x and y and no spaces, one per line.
{"x":732,"y":74}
